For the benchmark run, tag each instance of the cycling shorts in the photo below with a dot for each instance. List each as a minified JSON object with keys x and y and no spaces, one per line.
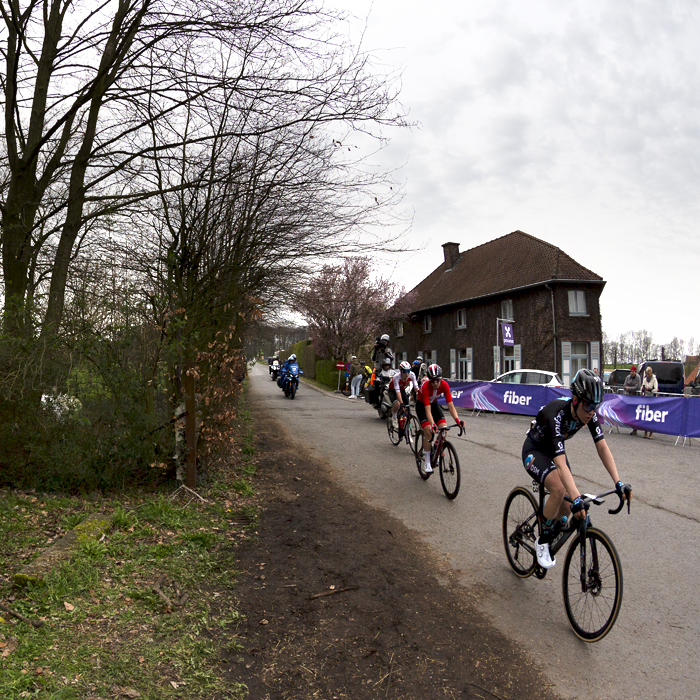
{"x":438,"y":417}
{"x":394,"y":396}
{"x":537,"y":464}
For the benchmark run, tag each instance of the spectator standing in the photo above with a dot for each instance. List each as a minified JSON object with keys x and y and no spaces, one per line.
{"x":632,"y":386}
{"x":356,"y":372}
{"x":650,"y":387}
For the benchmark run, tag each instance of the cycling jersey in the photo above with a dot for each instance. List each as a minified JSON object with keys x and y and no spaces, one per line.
{"x":555,"y":423}
{"x":398,"y":383}
{"x":427,"y":394}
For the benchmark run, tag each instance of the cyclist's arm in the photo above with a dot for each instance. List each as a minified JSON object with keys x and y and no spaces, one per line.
{"x":566,"y":477}
{"x":453,"y":411}
{"x":607,"y":459}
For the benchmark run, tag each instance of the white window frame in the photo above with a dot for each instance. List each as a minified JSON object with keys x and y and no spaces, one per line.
{"x":507,"y":310}
{"x":399,"y":329}
{"x":465,"y":364}
{"x":579,"y":360}
{"x":566,"y":363}
{"x":461,"y":318}
{"x":578,"y":302}
{"x":453,"y":364}
{"x":427,"y":324}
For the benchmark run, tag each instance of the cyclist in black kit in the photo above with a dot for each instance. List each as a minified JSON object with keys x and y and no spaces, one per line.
{"x":545,"y":458}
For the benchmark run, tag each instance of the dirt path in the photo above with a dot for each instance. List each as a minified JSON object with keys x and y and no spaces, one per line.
{"x":341,"y":601}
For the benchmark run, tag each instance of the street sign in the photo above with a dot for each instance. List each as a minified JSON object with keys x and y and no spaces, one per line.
{"x":340,"y":365}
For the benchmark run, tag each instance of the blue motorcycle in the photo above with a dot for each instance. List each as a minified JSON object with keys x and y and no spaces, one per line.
{"x":290,"y":380}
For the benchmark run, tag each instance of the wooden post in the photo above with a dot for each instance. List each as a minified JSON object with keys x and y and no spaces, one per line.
{"x":190,"y":426}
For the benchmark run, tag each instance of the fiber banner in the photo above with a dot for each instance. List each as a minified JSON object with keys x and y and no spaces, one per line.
{"x":692,"y":417}
{"x":672,"y":415}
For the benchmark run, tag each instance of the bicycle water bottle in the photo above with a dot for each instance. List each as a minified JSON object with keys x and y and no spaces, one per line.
{"x":402,"y":422}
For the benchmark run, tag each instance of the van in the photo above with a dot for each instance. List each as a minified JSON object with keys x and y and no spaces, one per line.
{"x":670,"y":374}
{"x":616,"y":379}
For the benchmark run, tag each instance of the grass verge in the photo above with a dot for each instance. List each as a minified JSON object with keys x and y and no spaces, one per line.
{"x":147,"y":612}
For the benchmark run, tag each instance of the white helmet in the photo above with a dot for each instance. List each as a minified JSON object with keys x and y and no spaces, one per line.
{"x":385,"y":338}
{"x":292,"y":358}
{"x":405,"y":366}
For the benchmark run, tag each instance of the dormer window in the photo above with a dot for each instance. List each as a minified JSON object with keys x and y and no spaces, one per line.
{"x":427,"y":324}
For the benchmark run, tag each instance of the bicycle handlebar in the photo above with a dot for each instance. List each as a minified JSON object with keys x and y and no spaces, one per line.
{"x":456,"y":425}
{"x":588,"y":498}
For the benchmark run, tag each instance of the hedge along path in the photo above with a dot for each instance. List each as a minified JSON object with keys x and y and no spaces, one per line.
{"x":92,"y":528}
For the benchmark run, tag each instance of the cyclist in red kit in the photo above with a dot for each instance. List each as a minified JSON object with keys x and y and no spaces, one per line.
{"x":429,"y":411}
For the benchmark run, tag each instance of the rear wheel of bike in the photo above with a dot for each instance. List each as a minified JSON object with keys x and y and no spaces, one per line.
{"x":418,"y":452}
{"x":593,"y":597}
{"x":394,"y":436}
{"x":520,"y":530}
{"x":412,"y":429}
{"x":292,"y":390}
{"x":449,"y":471}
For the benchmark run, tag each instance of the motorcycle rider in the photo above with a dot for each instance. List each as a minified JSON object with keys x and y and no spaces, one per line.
{"x":381,"y":350}
{"x":285,"y":368}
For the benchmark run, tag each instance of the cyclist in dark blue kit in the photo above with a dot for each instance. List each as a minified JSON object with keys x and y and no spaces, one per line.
{"x":545,"y":458}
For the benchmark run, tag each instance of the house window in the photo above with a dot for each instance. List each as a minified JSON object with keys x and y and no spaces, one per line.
{"x":507,"y":310}
{"x":579,"y":356}
{"x":508,"y":355}
{"x":464,"y":364}
{"x":399,"y":329}
{"x":427,"y":324}
{"x":461,"y":318}
{"x":430,"y":357}
{"x":577,"y":303}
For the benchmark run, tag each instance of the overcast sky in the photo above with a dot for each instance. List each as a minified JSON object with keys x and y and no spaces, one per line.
{"x":577,"y":122}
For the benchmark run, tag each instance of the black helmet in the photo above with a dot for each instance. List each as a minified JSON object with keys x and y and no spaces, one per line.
{"x":587,"y":386}
{"x":434,"y":372}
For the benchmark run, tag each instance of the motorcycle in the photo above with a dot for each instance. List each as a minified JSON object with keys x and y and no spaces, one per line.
{"x":290,"y":383}
{"x":378,"y":396}
{"x":274,"y":370}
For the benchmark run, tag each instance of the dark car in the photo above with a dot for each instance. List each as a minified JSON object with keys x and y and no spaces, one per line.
{"x":616,"y":380}
{"x":669,"y":373}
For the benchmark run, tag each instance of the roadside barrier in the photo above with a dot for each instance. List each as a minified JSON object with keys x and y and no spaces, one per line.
{"x":672,"y":415}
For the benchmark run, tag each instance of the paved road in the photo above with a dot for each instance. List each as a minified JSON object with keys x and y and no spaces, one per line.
{"x":652,"y":650}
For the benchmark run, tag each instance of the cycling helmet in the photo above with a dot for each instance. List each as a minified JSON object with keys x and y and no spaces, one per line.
{"x":405,"y":367}
{"x":587,"y":386}
{"x":292,"y":358}
{"x":385,"y":338}
{"x":434,"y":372}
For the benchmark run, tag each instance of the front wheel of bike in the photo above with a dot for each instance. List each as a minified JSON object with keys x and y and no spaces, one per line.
{"x":520,"y":531}
{"x":449,"y":471}
{"x":292,"y":390}
{"x":412,"y":429}
{"x":394,"y":436}
{"x":592,"y":585}
{"x":418,"y":452}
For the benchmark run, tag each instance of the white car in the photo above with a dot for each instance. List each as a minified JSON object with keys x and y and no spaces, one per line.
{"x":531,"y":376}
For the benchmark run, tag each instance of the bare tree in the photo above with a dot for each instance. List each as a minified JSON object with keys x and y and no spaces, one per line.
{"x":91,"y":98}
{"x":344,"y":305}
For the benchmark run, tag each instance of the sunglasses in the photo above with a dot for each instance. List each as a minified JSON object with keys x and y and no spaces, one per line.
{"x":588,"y":406}
{"x":436,"y":380}
{"x":405,"y":371}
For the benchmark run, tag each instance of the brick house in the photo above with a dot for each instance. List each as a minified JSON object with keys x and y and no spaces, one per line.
{"x":551,"y":300}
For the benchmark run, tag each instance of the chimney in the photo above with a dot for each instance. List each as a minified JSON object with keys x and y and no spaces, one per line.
{"x":451,"y":254}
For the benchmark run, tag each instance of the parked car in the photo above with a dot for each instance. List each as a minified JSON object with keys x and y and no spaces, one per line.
{"x":616,"y":380}
{"x":530,"y":376}
{"x":669,"y":373}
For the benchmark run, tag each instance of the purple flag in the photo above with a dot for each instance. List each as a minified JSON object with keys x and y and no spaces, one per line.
{"x":508,"y":338}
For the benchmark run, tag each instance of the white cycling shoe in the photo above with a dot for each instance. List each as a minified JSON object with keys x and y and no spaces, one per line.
{"x":544,"y":558}
{"x":427,"y":468}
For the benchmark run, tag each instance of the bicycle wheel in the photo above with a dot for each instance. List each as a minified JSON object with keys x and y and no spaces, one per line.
{"x":449,"y":471}
{"x":394,"y":436}
{"x":520,"y":530}
{"x":593,"y":597}
{"x":418,"y":452}
{"x":412,"y":429}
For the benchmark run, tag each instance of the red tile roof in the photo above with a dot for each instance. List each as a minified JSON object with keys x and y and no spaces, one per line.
{"x":505,"y":264}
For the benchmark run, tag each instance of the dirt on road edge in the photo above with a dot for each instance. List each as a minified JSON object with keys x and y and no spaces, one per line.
{"x":343,"y":601}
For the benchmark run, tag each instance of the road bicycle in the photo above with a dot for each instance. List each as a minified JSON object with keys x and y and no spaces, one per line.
{"x":443,"y":458}
{"x":592,"y":583}
{"x":408,"y":427}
